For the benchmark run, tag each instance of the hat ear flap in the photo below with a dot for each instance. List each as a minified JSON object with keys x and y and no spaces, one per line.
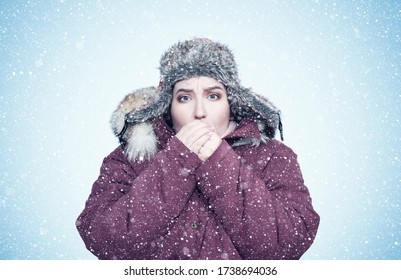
{"x":137,"y":138}
{"x":153,"y":110}
{"x":132,"y":102}
{"x":245,"y":103}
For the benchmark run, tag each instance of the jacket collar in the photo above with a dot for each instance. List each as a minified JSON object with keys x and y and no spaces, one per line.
{"x":247,"y":128}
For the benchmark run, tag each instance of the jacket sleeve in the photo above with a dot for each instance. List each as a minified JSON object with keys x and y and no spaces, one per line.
{"x":266,"y":217}
{"x":126,"y":213}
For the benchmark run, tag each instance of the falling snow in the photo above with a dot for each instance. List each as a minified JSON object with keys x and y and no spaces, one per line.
{"x":332,"y":68}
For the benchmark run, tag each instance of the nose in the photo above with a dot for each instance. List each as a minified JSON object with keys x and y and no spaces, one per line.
{"x":200,"y":112}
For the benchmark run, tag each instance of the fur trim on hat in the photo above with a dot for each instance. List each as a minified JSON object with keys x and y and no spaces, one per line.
{"x":137,"y":139}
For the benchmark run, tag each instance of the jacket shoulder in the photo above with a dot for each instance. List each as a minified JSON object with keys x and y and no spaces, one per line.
{"x":267,"y":155}
{"x":271,"y":147}
{"x":116,"y":162}
{"x":279,"y":147}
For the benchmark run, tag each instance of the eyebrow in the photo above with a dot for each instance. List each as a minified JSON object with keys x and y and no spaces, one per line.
{"x":186,"y":90}
{"x":214,"y":87}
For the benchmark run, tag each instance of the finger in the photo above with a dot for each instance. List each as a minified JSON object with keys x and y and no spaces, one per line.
{"x":210,"y":146}
{"x":195,"y":143}
{"x":191,"y":133}
{"x":198,"y":135}
{"x":200,"y":142}
{"x":189,"y":128}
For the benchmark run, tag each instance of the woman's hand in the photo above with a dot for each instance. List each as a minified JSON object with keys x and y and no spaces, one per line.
{"x":210,"y":146}
{"x":200,"y":138}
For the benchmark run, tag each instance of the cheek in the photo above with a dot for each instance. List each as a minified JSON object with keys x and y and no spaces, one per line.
{"x":222,"y":118}
{"x":179,"y":117}
{"x":225,"y":112}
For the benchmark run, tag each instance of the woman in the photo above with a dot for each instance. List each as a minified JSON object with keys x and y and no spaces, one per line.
{"x":198,"y":174}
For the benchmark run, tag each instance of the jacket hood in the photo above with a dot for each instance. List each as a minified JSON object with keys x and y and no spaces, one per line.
{"x":132,"y":120}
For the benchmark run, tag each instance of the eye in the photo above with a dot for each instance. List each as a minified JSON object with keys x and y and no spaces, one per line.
{"x":183,"y":98}
{"x":213,"y":96}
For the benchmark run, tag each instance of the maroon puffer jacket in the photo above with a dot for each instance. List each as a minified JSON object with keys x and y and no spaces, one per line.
{"x":244,"y":202}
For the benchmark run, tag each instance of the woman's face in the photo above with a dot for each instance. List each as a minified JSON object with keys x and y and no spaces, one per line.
{"x":202,"y":98}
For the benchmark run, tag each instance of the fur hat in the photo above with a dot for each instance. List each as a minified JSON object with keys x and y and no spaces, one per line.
{"x":203,"y":57}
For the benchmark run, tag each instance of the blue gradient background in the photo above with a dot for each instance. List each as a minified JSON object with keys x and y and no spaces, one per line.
{"x":333,"y":68}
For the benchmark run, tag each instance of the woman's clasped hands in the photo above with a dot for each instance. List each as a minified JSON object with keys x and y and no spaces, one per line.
{"x":200,"y":138}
